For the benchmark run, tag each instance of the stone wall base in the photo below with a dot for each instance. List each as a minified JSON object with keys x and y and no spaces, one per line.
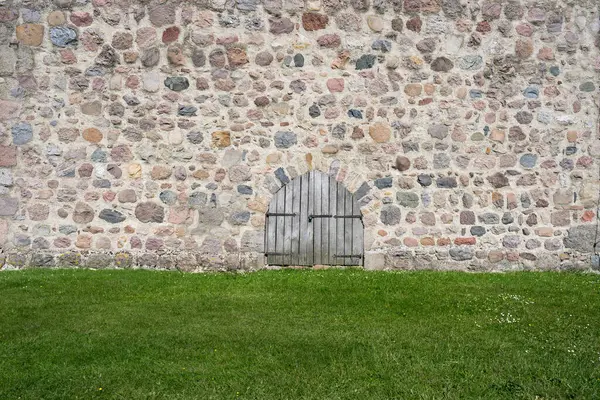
{"x":251,"y":261}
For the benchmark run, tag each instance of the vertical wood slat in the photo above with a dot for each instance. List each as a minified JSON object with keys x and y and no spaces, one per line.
{"x":287,"y":227}
{"x":325,"y":257}
{"x":316,"y":225}
{"x":357,"y":233}
{"x":339,"y":250}
{"x":303,"y":221}
{"x":332,"y":221}
{"x":348,"y":227}
{"x":295,"y":236}
{"x":311,"y":208}
{"x":279,"y":227}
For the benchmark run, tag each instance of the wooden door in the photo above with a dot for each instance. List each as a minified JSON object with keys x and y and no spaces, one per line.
{"x":314,"y":220}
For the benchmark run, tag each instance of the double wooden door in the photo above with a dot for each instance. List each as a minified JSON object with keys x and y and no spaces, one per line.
{"x":314,"y":220}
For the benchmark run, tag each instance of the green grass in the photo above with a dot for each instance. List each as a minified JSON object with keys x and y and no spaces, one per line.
{"x":334,"y":334}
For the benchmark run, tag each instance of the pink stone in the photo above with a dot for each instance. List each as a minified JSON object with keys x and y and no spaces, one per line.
{"x":9,"y":110}
{"x":98,"y":84}
{"x":546,"y":53}
{"x":109,"y":196}
{"x":329,"y":40}
{"x":67,"y":56}
{"x":179,"y":215}
{"x":81,"y":18}
{"x":585,"y":162}
{"x":8,"y":156}
{"x":171,"y":34}
{"x":224,"y":40}
{"x":410,"y":242}
{"x":524,"y":29}
{"x":145,"y":37}
{"x":335,"y":84}
{"x":132,"y":82}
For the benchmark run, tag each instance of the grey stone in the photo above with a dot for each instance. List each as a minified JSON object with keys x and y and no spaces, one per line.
{"x":195,"y":137}
{"x":6,"y":177}
{"x":382,"y":45}
{"x":177,"y":83}
{"x":197,"y":200}
{"x":442,"y":64}
{"x":498,"y":180}
{"x":298,"y":60}
{"x":441,"y":160}
{"x":108,"y":57}
{"x":353,"y":113}
{"x":511,"y":241}
{"x":111,"y":216}
{"x":187,"y":111}
{"x":8,"y":206}
{"x":99,"y":156}
{"x":424,"y":180}
{"x":407,"y":199}
{"x":390,"y":215}
{"x":150,"y":57}
{"x":581,"y":238}
{"x":477,"y":230}
{"x":383,"y":183}
{"x":365,"y":61}
{"x":210,"y":216}
{"x":507,"y":218}
{"x":362,"y":191}
{"x":169,"y":197}
{"x":278,"y":26}
{"x":41,"y":260}
{"x":587,"y":86}
{"x":528,"y":160}
{"x":489,"y":218}
{"x":22,"y":133}
{"x":63,"y":36}
{"x":470,"y":62}
{"x":438,"y":131}
{"x":244,"y":189}
{"x":281,"y":175}
{"x":447,"y":182}
{"x":461,"y":253}
{"x":284,"y":140}
{"x":339,"y":131}
{"x":198,"y":57}
{"x":524,"y":117}
{"x":239,"y":217}
{"x":452,"y":8}
{"x":531,"y":92}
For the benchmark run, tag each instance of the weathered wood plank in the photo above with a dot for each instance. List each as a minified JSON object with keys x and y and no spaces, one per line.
{"x":332,"y":221}
{"x":325,"y":258}
{"x":317,"y":186}
{"x":311,"y":208}
{"x":340,"y":222}
{"x":357,"y":233}
{"x":271,"y":231}
{"x":303,"y":240}
{"x":287,"y":226}
{"x":295,"y":236}
{"x":348,"y":226}
{"x":280,"y":221}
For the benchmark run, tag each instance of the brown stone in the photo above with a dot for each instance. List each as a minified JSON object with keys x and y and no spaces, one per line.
{"x":414,"y":24}
{"x":402,"y":163}
{"x":175,"y":55}
{"x":122,"y":40}
{"x":30,"y":34}
{"x":314,"y":22}
{"x":237,"y":56}
{"x":221,"y":139}
{"x":523,"y":48}
{"x":92,"y":135}
{"x":161,"y":172}
{"x":380,"y":132}
{"x":56,"y":18}
{"x":413,"y":89}
{"x":329,"y":40}
{"x":127,"y":196}
{"x":278,"y":26}
{"x":83,"y":213}
{"x":149,"y":212}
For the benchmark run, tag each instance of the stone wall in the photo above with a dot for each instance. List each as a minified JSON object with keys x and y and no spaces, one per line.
{"x":154,"y":133}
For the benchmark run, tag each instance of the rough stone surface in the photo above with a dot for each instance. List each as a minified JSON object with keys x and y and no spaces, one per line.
{"x":157,"y":133}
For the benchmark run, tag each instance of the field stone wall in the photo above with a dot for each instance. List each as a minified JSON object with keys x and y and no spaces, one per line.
{"x":154,"y":133}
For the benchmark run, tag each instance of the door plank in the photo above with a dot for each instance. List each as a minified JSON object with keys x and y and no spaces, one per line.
{"x":348,"y":226}
{"x":316,"y":224}
{"x":295,"y":236}
{"x":325,"y":258}
{"x":357,"y":233}
{"x":332,"y":222}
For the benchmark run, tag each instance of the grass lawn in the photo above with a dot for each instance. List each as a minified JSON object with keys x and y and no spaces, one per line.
{"x":298,"y":334}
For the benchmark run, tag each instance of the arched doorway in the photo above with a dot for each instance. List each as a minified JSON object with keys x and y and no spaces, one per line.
{"x":314,"y":220}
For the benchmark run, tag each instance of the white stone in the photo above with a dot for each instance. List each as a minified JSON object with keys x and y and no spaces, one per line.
{"x":151,"y":81}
